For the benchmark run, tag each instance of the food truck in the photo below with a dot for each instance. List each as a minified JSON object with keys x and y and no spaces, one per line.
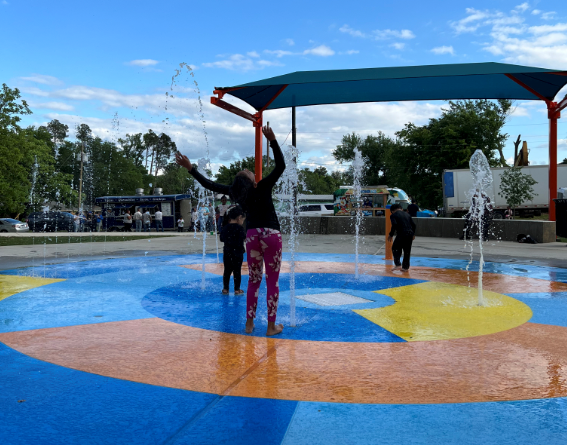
{"x":373,"y":200}
{"x":172,"y":207}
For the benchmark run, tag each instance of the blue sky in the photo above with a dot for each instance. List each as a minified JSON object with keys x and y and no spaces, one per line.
{"x":85,"y":62}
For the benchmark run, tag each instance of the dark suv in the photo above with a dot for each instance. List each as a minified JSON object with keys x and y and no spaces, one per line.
{"x":50,"y":221}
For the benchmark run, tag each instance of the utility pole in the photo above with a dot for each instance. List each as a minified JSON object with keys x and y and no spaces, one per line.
{"x":267,"y":149}
{"x":294,"y":143}
{"x":81,"y":175}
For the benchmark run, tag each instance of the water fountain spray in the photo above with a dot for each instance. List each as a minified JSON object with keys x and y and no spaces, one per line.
{"x":288,"y":186}
{"x":357,"y":165}
{"x":480,"y":206}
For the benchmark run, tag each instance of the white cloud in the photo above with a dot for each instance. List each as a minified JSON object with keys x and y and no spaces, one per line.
{"x":279,"y":52}
{"x":378,"y":34}
{"x":443,"y":50}
{"x":548,"y":15}
{"x":43,"y":79}
{"x":321,"y":50}
{"x":536,"y":12}
{"x":253,"y":54}
{"x":398,"y":45}
{"x":239,"y":62}
{"x":512,"y":39}
{"x":522,"y":8}
{"x":142,"y":62}
{"x":392,"y":33}
{"x":353,"y":32}
{"x":350,"y":52}
{"x":59,"y":106}
{"x":290,"y":42}
{"x":471,"y":22}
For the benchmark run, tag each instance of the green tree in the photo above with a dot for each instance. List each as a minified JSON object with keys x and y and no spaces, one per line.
{"x":175,"y":180}
{"x":317,"y":182}
{"x":515,"y":187}
{"x":373,"y":149}
{"x":564,"y":161}
{"x":226,"y":175}
{"x":133,"y":147}
{"x":417,"y":162}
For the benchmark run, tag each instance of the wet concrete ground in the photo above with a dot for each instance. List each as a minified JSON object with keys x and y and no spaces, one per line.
{"x":107,"y":344}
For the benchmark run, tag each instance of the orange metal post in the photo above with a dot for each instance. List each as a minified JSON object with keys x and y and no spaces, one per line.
{"x":553,"y":114}
{"x":389,"y":255}
{"x":258,"y":151}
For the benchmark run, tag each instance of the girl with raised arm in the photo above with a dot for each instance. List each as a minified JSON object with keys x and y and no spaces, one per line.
{"x":263,"y":237}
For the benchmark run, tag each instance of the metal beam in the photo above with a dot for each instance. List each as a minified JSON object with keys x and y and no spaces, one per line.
{"x":229,"y":107}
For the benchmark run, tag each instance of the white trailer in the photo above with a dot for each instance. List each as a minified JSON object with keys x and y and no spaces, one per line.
{"x":456,"y":183}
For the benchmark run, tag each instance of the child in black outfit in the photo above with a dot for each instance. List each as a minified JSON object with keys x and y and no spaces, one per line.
{"x":233,"y":236}
{"x":404,"y":228}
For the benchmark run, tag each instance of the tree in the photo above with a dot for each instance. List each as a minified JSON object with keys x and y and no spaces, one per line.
{"x":163,"y":152}
{"x":133,"y":147}
{"x":58,"y":132}
{"x":564,"y":161}
{"x":417,"y":162}
{"x":175,"y":179}
{"x":516,"y":187}
{"x":317,"y":182}
{"x":373,"y":149}
{"x":10,"y":109}
{"x":15,"y":159}
{"x":226,"y":175}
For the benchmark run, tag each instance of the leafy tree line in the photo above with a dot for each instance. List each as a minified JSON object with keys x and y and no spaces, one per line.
{"x":415,"y":159}
{"x":40,"y":164}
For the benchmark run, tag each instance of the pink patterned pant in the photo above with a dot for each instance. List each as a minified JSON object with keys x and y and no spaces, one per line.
{"x":263,"y":245}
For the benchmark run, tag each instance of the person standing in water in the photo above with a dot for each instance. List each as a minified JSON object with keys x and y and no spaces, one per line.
{"x":233,"y":237}
{"x":263,"y":238}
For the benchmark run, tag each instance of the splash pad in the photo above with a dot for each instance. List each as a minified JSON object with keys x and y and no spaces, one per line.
{"x":377,"y":348}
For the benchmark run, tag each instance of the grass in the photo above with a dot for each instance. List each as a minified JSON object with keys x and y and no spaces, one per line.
{"x":66,"y":239}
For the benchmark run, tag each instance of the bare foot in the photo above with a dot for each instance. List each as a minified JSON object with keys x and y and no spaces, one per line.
{"x":396,"y":267}
{"x":238,"y":292}
{"x":274,"y":329}
{"x":225,"y":291}
{"x":405,"y":270}
{"x":249,"y":325}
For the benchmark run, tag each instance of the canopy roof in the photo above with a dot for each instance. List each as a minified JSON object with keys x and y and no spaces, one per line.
{"x":429,"y":82}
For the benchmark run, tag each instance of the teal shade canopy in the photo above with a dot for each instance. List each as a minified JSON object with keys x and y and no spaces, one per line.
{"x":408,"y":83}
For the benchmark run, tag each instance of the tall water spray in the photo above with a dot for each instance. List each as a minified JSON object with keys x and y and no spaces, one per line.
{"x":480,"y":205}
{"x":357,"y":166}
{"x":288,"y":186}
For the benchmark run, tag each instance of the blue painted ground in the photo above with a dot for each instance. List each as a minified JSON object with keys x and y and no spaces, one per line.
{"x":209,"y":309}
{"x":41,"y":403}
{"x":45,"y":404}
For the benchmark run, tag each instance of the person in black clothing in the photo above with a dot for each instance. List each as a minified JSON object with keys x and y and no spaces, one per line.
{"x":413,"y":208}
{"x":263,"y":237}
{"x":233,"y":236}
{"x":404,"y":228}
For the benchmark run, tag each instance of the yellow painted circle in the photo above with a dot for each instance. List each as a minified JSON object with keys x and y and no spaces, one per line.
{"x":441,"y":311}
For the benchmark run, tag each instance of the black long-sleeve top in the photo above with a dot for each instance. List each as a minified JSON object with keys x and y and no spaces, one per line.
{"x":233,"y":236}
{"x":260,"y":211}
{"x":402,"y":224}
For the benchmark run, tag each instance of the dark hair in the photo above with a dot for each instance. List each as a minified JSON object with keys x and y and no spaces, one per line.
{"x":239,"y":189}
{"x":235,"y":212}
{"x":395,"y":207}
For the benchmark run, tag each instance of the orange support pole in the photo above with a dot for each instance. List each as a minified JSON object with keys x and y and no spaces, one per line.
{"x":553,"y":114}
{"x":389,"y":255}
{"x":258,"y":149}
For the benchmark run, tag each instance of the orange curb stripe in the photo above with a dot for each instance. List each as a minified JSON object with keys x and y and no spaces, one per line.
{"x":504,"y":284}
{"x":528,"y":362}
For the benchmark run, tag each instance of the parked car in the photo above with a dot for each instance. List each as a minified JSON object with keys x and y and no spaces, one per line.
{"x":13,"y":225}
{"x":50,"y":221}
{"x":327,"y":209}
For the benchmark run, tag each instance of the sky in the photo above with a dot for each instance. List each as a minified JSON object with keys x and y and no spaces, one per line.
{"x":128,"y":66}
